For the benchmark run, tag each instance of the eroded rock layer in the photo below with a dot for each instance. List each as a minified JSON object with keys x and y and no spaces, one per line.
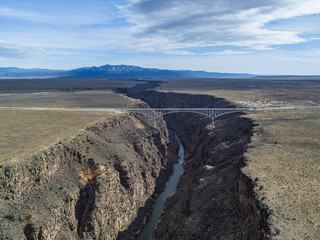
{"x":88,"y":188}
{"x":102,"y":184}
{"x":214,"y":199}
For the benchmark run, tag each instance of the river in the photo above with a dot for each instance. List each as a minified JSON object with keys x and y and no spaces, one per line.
{"x":147,"y":231}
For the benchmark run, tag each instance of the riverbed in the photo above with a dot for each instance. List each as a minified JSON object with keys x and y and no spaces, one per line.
{"x":147,"y":231}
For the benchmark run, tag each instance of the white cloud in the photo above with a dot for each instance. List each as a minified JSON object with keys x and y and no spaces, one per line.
{"x":22,"y":14}
{"x":14,"y":51}
{"x":178,"y":52}
{"x":176,"y":24}
{"x":226,"y":52}
{"x":66,"y":16}
{"x":290,"y":59}
{"x":9,"y":12}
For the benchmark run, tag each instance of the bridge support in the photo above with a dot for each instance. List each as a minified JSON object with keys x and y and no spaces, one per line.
{"x":212,"y":113}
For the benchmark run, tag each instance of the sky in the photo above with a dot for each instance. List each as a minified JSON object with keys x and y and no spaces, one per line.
{"x":239,"y":36}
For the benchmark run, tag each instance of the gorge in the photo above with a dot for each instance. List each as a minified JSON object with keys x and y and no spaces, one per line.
{"x":103,"y":183}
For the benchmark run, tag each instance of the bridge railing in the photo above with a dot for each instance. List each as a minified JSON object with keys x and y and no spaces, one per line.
{"x":212,"y":113}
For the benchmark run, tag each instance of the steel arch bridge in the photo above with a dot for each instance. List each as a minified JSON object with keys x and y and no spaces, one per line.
{"x":156,"y":113}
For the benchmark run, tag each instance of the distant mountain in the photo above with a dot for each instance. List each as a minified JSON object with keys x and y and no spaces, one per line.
{"x":126,"y":71}
{"x":21,"y":72}
{"x":115,"y":71}
{"x":204,"y":74}
{"x":122,"y":71}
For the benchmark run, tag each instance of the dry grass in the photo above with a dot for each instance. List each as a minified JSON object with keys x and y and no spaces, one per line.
{"x":248,"y":89}
{"x":24,"y":132}
{"x":80,"y":99}
{"x":284,"y":154}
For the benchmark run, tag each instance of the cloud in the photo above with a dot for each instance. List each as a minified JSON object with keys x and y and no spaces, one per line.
{"x":68,"y":15}
{"x":290,"y":59}
{"x":22,"y":14}
{"x":226,"y":52}
{"x":14,"y":51}
{"x":179,"y":52}
{"x":167,"y":25}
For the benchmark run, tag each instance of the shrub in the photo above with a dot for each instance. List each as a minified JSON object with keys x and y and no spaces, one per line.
{"x":89,"y":140}
{"x":29,"y":216}
{"x":277,"y":231}
{"x":256,"y":179}
{"x":1,"y":165}
{"x":260,"y":187}
{"x":12,"y":216}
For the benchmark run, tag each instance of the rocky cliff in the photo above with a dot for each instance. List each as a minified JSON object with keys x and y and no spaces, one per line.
{"x":214,"y":199}
{"x":89,"y":188}
{"x":102,"y":184}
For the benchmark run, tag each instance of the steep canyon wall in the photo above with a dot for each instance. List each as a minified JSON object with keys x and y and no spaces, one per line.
{"x":91,"y":187}
{"x":102,"y":184}
{"x":214,"y":199}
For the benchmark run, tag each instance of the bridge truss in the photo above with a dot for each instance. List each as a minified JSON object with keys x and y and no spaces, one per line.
{"x":156,"y":113}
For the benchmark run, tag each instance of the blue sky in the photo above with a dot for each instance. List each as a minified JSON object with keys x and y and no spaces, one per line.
{"x":262,"y":37}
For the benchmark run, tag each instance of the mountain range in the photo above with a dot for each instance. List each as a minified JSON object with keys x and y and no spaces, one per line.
{"x":21,"y":72}
{"x":115,"y":71}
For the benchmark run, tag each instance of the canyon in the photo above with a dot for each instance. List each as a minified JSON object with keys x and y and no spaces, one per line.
{"x":103,"y":183}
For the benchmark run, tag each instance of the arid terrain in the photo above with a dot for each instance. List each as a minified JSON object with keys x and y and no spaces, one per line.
{"x":283,"y":156}
{"x":59,"y":167}
{"x":24,"y":132}
{"x":266,"y":162}
{"x":159,"y":120}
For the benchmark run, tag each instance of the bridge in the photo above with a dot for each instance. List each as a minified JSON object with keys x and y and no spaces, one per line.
{"x":211,"y":113}
{"x":156,"y":113}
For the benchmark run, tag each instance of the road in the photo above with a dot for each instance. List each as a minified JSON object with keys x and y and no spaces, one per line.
{"x":120,"y":109}
{"x":65,"y":109}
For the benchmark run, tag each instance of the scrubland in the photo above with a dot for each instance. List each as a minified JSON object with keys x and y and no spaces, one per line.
{"x":283,"y":158}
{"x":24,"y":132}
{"x":68,"y":99}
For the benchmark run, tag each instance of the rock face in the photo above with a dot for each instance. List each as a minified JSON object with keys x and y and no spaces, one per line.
{"x":88,"y":188}
{"x":102,"y":184}
{"x":214,"y":199}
